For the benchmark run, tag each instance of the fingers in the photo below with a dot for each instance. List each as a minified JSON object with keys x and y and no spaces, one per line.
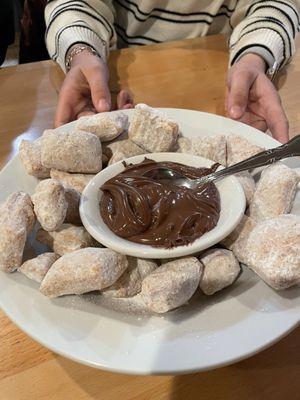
{"x":97,"y":77}
{"x":275,"y":115}
{"x":281,"y":131}
{"x":124,"y":100}
{"x":261,"y":125}
{"x":239,"y":86}
{"x":254,"y":120}
{"x":64,"y":111}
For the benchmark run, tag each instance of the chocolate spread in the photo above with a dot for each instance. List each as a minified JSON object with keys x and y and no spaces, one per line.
{"x":138,"y":206}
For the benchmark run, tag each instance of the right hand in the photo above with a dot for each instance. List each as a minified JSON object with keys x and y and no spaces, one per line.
{"x":253,"y":99}
{"x":85,"y":90}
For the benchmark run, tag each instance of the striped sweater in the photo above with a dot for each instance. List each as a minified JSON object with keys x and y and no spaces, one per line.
{"x":267,"y":28}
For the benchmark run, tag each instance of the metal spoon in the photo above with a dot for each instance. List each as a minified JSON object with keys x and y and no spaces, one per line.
{"x":290,"y":149}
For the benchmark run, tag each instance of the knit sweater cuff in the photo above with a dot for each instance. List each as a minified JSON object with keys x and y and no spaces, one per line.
{"x":79,"y":35}
{"x":265,"y":42}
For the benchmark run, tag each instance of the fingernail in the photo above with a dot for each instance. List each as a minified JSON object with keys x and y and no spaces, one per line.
{"x":235,"y":112}
{"x":103,"y":105}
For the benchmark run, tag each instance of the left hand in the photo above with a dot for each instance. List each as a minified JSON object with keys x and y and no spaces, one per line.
{"x":253,"y":99}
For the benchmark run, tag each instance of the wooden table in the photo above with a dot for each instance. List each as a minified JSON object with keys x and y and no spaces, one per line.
{"x":187,"y":74}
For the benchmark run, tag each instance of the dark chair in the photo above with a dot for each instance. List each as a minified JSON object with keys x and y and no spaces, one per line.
{"x":32,"y":40}
{"x":7,"y":27}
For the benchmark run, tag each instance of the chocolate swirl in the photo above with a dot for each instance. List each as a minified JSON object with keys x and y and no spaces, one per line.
{"x":136,"y":205}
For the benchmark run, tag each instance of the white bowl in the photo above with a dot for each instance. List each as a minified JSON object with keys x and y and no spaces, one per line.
{"x":232,"y":209}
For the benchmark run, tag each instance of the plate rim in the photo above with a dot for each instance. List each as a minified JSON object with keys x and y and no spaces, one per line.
{"x":156,"y":372}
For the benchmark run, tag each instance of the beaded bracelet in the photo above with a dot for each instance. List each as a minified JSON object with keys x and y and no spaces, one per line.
{"x":76,"y":49}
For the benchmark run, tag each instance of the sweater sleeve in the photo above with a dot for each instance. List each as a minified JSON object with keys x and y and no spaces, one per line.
{"x":84,"y":22}
{"x":266,"y":28}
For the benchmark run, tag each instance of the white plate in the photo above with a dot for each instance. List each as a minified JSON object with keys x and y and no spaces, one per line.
{"x":209,"y":333}
{"x":232,"y":200}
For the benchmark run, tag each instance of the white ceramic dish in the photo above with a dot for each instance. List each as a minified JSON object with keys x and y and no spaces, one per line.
{"x":209,"y":333}
{"x":232,"y":210}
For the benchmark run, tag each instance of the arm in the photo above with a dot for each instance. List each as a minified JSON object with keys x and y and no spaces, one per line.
{"x":265,"y":28}
{"x":84,"y":22}
{"x":85,"y":89}
{"x":263,"y":37}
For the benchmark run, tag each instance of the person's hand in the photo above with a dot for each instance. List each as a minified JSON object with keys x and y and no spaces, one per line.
{"x":85,"y":90}
{"x":252,"y":98}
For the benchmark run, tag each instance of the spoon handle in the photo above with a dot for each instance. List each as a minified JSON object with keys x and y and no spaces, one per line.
{"x":289,"y":149}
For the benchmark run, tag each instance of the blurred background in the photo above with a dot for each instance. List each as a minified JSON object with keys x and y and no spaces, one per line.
{"x":22,"y":30}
